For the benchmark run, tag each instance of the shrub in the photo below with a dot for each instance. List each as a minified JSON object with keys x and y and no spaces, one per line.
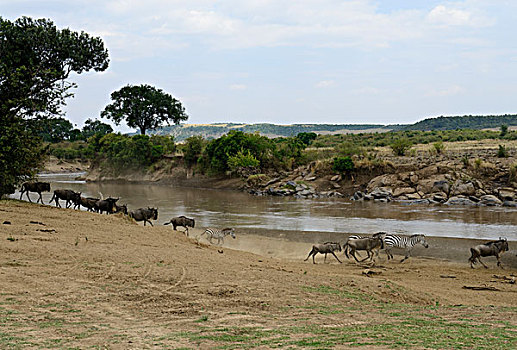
{"x":242,"y":160}
{"x":502,"y":152}
{"x":438,"y":147}
{"x":343,"y":164}
{"x":400,"y":146}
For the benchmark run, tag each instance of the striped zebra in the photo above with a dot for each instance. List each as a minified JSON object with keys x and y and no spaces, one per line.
{"x":405,"y":242}
{"x":212,"y":233}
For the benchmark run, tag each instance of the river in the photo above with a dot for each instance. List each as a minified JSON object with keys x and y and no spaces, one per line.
{"x":222,"y":208}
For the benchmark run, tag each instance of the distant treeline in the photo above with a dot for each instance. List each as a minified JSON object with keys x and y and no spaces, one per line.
{"x":211,"y":131}
{"x":464,"y":122}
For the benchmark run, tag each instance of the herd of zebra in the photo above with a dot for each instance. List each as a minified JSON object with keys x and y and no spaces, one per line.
{"x":110,"y":206}
{"x":383,"y":240}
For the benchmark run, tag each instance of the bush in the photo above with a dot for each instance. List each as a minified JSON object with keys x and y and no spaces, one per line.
{"x":343,"y":164}
{"x":502,"y":152}
{"x":438,"y":147}
{"x":400,"y":146}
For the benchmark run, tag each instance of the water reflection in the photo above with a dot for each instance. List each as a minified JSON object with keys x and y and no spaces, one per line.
{"x":221,"y":208}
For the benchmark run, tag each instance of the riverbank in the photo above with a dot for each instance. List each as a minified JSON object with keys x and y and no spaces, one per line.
{"x":72,"y":278}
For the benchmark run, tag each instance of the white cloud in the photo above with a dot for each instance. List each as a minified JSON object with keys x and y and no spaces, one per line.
{"x":456,"y":16}
{"x":325,"y":84}
{"x":448,"y":91}
{"x":238,"y":87}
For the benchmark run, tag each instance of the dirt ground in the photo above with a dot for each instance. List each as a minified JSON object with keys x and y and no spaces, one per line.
{"x":72,"y":279}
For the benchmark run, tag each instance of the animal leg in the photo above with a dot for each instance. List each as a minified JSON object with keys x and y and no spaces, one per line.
{"x":29,"y":197}
{"x":325,"y":260}
{"x":482,"y":263}
{"x":499,"y":262}
{"x":367,"y":252}
{"x":335,"y":257}
{"x":352,"y":252}
{"x":308,"y":256}
{"x":40,"y":199}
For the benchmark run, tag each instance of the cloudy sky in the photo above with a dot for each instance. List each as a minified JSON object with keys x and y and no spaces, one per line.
{"x":307,"y":61}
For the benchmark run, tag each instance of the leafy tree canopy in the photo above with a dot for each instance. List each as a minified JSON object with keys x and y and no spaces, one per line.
{"x":36,"y":59}
{"x":92,"y":127}
{"x":144,"y":107}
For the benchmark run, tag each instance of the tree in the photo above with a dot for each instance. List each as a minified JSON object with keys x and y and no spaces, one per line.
{"x":92,"y":127}
{"x":53,"y":129}
{"x":36,"y":60}
{"x":504,"y":130}
{"x":144,"y":107}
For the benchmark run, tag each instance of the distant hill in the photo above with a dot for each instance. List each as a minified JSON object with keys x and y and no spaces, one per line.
{"x":211,"y":131}
{"x":464,"y":122}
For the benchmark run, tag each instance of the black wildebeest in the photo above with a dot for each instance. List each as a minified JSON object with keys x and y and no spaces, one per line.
{"x":89,"y":203}
{"x":121,"y":208}
{"x":67,"y":195}
{"x":181,"y":221}
{"x":107,"y":205}
{"x":37,"y":187}
{"x":145,"y":215}
{"x":368,"y":244}
{"x":325,"y":248}
{"x":495,"y":248}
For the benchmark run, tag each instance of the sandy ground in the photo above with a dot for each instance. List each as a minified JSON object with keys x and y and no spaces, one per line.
{"x":72,"y":279}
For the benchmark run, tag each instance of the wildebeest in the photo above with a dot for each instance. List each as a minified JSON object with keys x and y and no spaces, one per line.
{"x":212,"y":233}
{"x":145,"y":215}
{"x":181,"y":221}
{"x":495,"y":248}
{"x":37,"y":187}
{"x":325,"y":248}
{"x":89,"y":203}
{"x":121,"y":208}
{"x":368,"y":244}
{"x":381,"y":235}
{"x":106,"y":205}
{"x":67,"y":195}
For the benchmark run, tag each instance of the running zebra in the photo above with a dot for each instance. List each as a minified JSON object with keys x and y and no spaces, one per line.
{"x":405,"y":242}
{"x":219,"y":234}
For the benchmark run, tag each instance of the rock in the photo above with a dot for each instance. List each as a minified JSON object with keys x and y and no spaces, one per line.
{"x":336,"y":178}
{"x":414,"y":196}
{"x":311,"y":178}
{"x":439,"y":197}
{"x":413,"y":179}
{"x":506,"y":194}
{"x":272,"y":181}
{"x":403,"y":191}
{"x":441,"y":186}
{"x":335,"y":185}
{"x":305,"y":193}
{"x":466,"y":189}
{"x":413,"y":201}
{"x":490,"y":200}
{"x":291,"y":183}
{"x":509,"y":204}
{"x":358,"y":195}
{"x":459,"y":201}
{"x":382,"y":193}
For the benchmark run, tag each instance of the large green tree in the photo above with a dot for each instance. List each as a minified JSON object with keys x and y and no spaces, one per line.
{"x":92,"y":127}
{"x":36,"y":60}
{"x":144,"y":107}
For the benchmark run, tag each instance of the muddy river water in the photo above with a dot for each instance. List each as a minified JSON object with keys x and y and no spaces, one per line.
{"x":222,"y":208}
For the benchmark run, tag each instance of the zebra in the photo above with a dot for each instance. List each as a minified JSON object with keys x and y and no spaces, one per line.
{"x":405,"y":242}
{"x":219,"y":234}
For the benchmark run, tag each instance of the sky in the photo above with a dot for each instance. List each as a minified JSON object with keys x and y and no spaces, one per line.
{"x":306,"y":61}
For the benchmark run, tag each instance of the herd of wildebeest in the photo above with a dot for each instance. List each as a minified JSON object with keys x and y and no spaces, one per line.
{"x":372,"y":245}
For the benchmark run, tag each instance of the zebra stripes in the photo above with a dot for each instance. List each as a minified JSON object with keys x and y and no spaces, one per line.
{"x":405,"y":242}
{"x":219,"y":234}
